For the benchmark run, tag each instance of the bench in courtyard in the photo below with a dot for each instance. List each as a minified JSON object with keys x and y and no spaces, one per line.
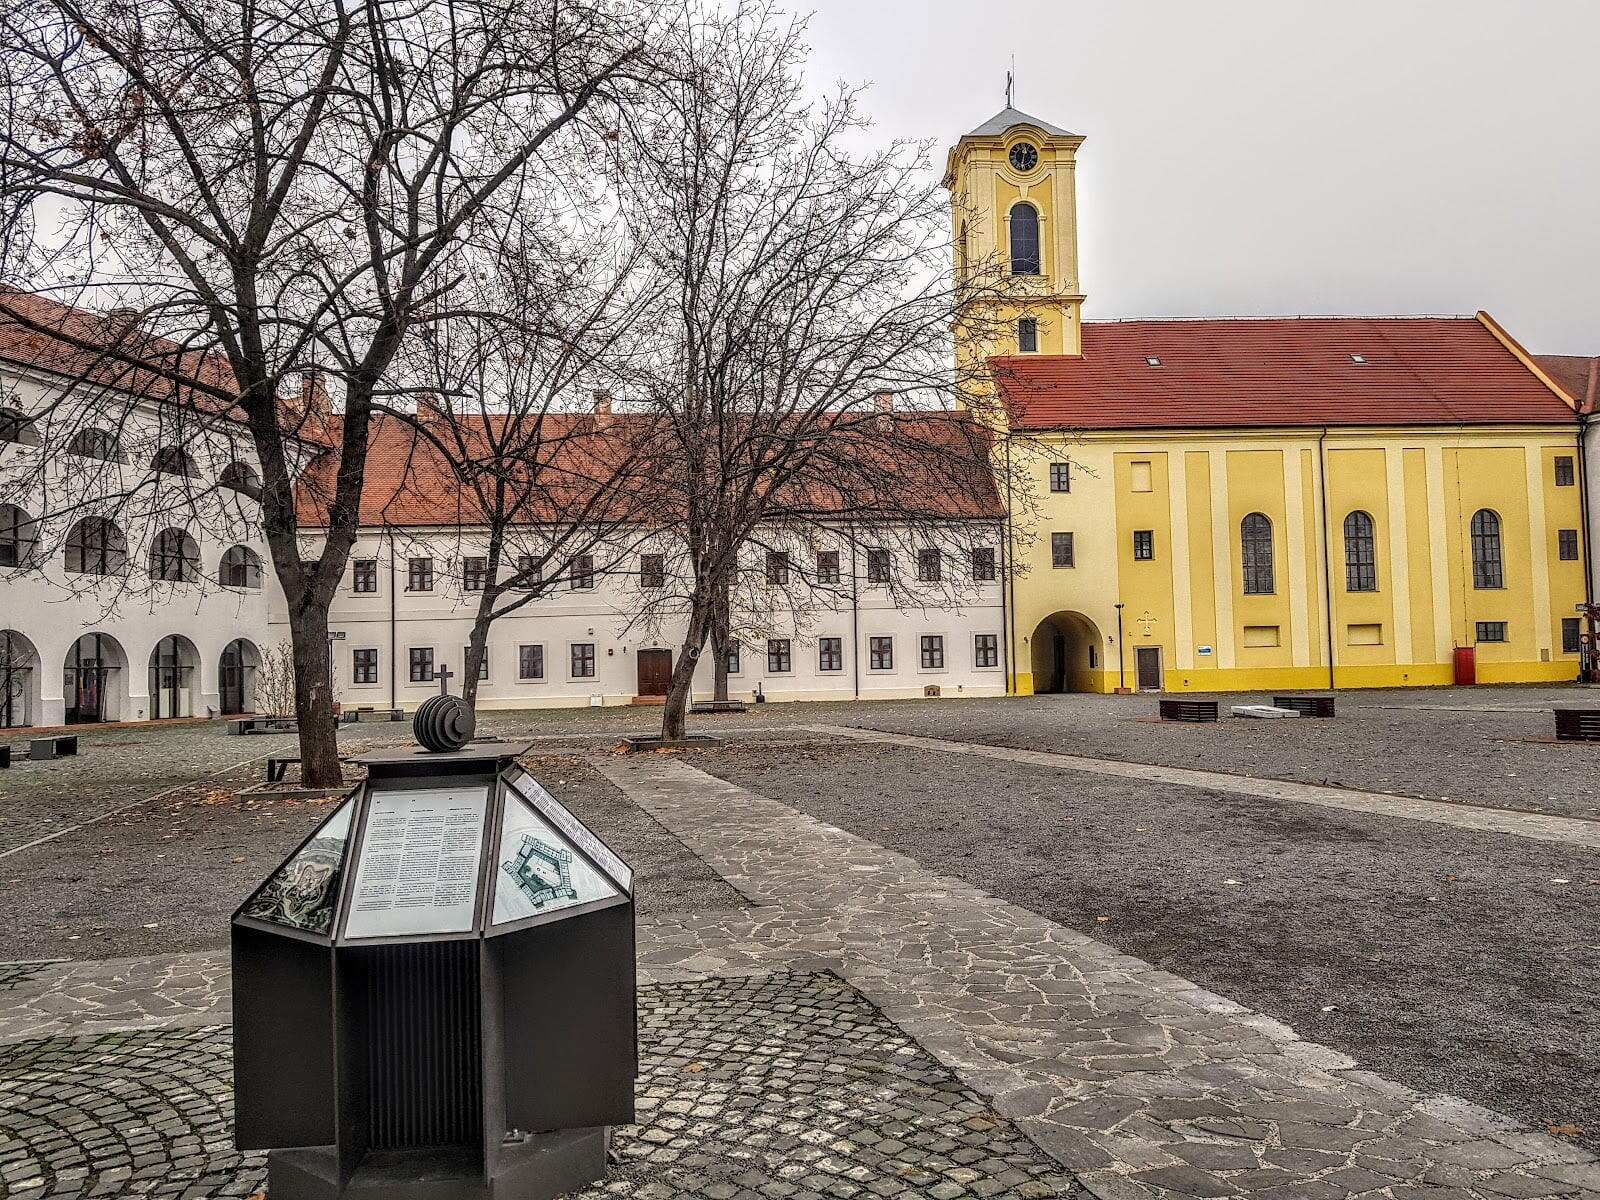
{"x":61,"y":745}
{"x":1188,"y":710}
{"x":5,"y":757}
{"x":1306,"y":706}
{"x":1578,"y":724}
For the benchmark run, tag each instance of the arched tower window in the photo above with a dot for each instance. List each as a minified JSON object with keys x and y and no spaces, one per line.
{"x":174,"y":557}
{"x":1488,"y":569}
{"x":1360,"y":554}
{"x":1024,"y":239}
{"x":1255,"y":545}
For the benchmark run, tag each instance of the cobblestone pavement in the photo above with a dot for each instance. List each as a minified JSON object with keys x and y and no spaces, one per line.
{"x":777,"y":1087}
{"x":1139,"y":1081}
{"x":1567,"y":831}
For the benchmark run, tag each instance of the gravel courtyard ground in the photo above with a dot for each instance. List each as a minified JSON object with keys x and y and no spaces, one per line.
{"x":164,"y":877}
{"x":1443,"y":958}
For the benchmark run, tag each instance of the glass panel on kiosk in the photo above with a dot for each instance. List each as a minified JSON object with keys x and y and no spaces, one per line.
{"x":418,"y":870}
{"x":561,"y":817}
{"x":302,"y":893}
{"x":540,"y":869}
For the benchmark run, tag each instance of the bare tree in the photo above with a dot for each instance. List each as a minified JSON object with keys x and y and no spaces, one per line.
{"x":282,"y":187}
{"x":805,"y":291}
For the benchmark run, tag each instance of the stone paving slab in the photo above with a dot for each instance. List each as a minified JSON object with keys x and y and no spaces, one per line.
{"x":1140,"y":1082}
{"x":1571,"y":831}
{"x":781,"y":1087}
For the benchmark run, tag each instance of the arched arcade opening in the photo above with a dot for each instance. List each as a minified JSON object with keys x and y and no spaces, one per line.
{"x":95,"y":686}
{"x":1068,"y":654}
{"x":236,"y":677}
{"x":19,"y":680}
{"x":173,"y":683}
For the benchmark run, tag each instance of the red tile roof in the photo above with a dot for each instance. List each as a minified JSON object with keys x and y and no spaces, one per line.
{"x":940,"y":469}
{"x":1278,"y":371}
{"x":1578,"y":375}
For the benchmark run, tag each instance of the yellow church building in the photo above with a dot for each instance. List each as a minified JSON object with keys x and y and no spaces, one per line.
{"x":1215,"y":504}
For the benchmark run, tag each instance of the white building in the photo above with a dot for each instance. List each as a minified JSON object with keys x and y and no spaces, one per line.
{"x":134,"y":583}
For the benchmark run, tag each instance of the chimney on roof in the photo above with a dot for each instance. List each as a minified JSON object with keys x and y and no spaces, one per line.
{"x":314,"y":392}
{"x":429,"y":408}
{"x":123,"y":321}
{"x":602,"y":408}
{"x":883,"y":401}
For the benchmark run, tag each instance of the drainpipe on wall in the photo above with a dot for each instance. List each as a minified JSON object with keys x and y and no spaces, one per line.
{"x":1327,"y":561}
{"x":855,"y":615}
{"x":394,"y":665}
{"x":1008,"y":596}
{"x":1122,"y":681}
{"x":1585,"y":416}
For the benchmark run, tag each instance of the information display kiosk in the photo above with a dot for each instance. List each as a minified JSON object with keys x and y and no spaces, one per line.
{"x":434,"y":995}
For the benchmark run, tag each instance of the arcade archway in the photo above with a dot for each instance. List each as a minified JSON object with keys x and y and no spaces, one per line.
{"x":19,"y":680}
{"x":236,"y":678}
{"x":94,"y":686}
{"x":173,"y":666}
{"x":1067,"y":652}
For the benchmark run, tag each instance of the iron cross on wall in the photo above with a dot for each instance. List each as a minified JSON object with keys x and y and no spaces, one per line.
{"x":443,"y":675}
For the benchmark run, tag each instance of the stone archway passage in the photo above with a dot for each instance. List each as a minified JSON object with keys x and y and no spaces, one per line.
{"x":1067,"y":654}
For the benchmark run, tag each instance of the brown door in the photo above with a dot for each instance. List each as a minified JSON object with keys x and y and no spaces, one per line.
{"x":1466,"y":665}
{"x":1149,"y":660}
{"x":655,"y":672}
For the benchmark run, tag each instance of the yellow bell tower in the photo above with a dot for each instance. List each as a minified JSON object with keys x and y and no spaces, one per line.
{"x":1014,"y":200}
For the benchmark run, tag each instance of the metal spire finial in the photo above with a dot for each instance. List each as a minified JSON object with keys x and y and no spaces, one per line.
{"x":1011,"y":81}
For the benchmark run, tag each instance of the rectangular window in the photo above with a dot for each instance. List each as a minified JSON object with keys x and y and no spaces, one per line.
{"x":930,"y":651}
{"x":1491,"y":631}
{"x":1567,"y":544}
{"x":1027,"y":335}
{"x":930,"y":566}
{"x":1364,"y":635}
{"x":1563,"y":470}
{"x":983,"y":567}
{"x":583,"y":576}
{"x":1060,"y":477}
{"x":830,"y":654}
{"x":530,"y":662}
{"x":879,"y":566}
{"x":734,"y":666}
{"x":882,"y":653}
{"x":777,"y":568}
{"x":1258,"y":636}
{"x":653,"y":570}
{"x":1144,"y":545}
{"x":364,"y":666}
{"x":583,"y":660}
{"x":419,"y":575}
{"x":527,"y":573}
{"x":827,"y":566}
{"x":1571,"y":635}
{"x":422,"y":664}
{"x":778,"y":658}
{"x":474,"y":574}
{"x":1060,"y":549}
{"x":986,"y":649}
{"x":366,"y":574}
{"x":1140,"y":477}
{"x":483,"y":667}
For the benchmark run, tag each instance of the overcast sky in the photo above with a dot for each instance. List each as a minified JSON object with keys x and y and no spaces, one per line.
{"x":1282,"y":156}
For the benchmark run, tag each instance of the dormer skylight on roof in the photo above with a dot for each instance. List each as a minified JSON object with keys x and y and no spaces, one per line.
{"x":1358,"y":358}
{"x":1153,"y":361}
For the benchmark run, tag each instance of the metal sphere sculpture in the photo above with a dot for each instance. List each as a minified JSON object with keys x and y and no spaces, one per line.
{"x":444,"y":723}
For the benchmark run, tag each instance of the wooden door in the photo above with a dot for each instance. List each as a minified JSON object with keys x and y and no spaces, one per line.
{"x":1466,"y":665}
{"x":1149,"y":665}
{"x":655,"y":672}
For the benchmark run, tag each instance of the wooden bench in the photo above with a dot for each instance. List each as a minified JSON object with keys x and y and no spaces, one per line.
{"x":1578,"y":724}
{"x":5,"y":757}
{"x":62,"y":745}
{"x":1188,"y":710}
{"x":1306,"y":706}
{"x":278,"y":767}
{"x":719,"y":706}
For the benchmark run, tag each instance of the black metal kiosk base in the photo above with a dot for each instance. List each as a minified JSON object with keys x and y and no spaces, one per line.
{"x":544,"y":1166}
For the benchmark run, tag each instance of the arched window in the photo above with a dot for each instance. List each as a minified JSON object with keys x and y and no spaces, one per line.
{"x":1360,"y":554}
{"x":1488,"y":569}
{"x":174,"y":557}
{"x":241,"y":568}
{"x":18,"y":536}
{"x":95,"y":546}
{"x":1024,"y":239}
{"x":17,"y":427}
{"x":241,"y":477}
{"x":95,"y":443}
{"x":170,"y":460}
{"x":1255,"y":544}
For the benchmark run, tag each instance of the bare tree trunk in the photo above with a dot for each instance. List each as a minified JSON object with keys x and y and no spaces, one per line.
{"x":675,"y":711}
{"x":478,"y":642}
{"x":313,"y":698}
{"x":721,"y":621}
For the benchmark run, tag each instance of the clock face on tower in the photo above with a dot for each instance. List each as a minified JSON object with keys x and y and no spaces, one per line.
{"x":1024,"y":157}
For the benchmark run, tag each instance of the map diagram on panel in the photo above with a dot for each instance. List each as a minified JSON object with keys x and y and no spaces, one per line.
{"x":302,"y":893}
{"x":575,"y":830}
{"x":540,"y":871}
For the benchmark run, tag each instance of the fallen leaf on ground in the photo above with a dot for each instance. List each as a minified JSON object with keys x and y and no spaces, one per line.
{"x":239,"y":859}
{"x":1102,"y":918}
{"x":1567,"y":1129}
{"x":695,"y":1067}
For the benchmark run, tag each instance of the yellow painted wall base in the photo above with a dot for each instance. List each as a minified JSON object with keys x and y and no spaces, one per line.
{"x":1266,"y":679}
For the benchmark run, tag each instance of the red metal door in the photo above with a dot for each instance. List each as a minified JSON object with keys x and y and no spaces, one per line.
{"x":655,"y":672}
{"x":1466,"y":663}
